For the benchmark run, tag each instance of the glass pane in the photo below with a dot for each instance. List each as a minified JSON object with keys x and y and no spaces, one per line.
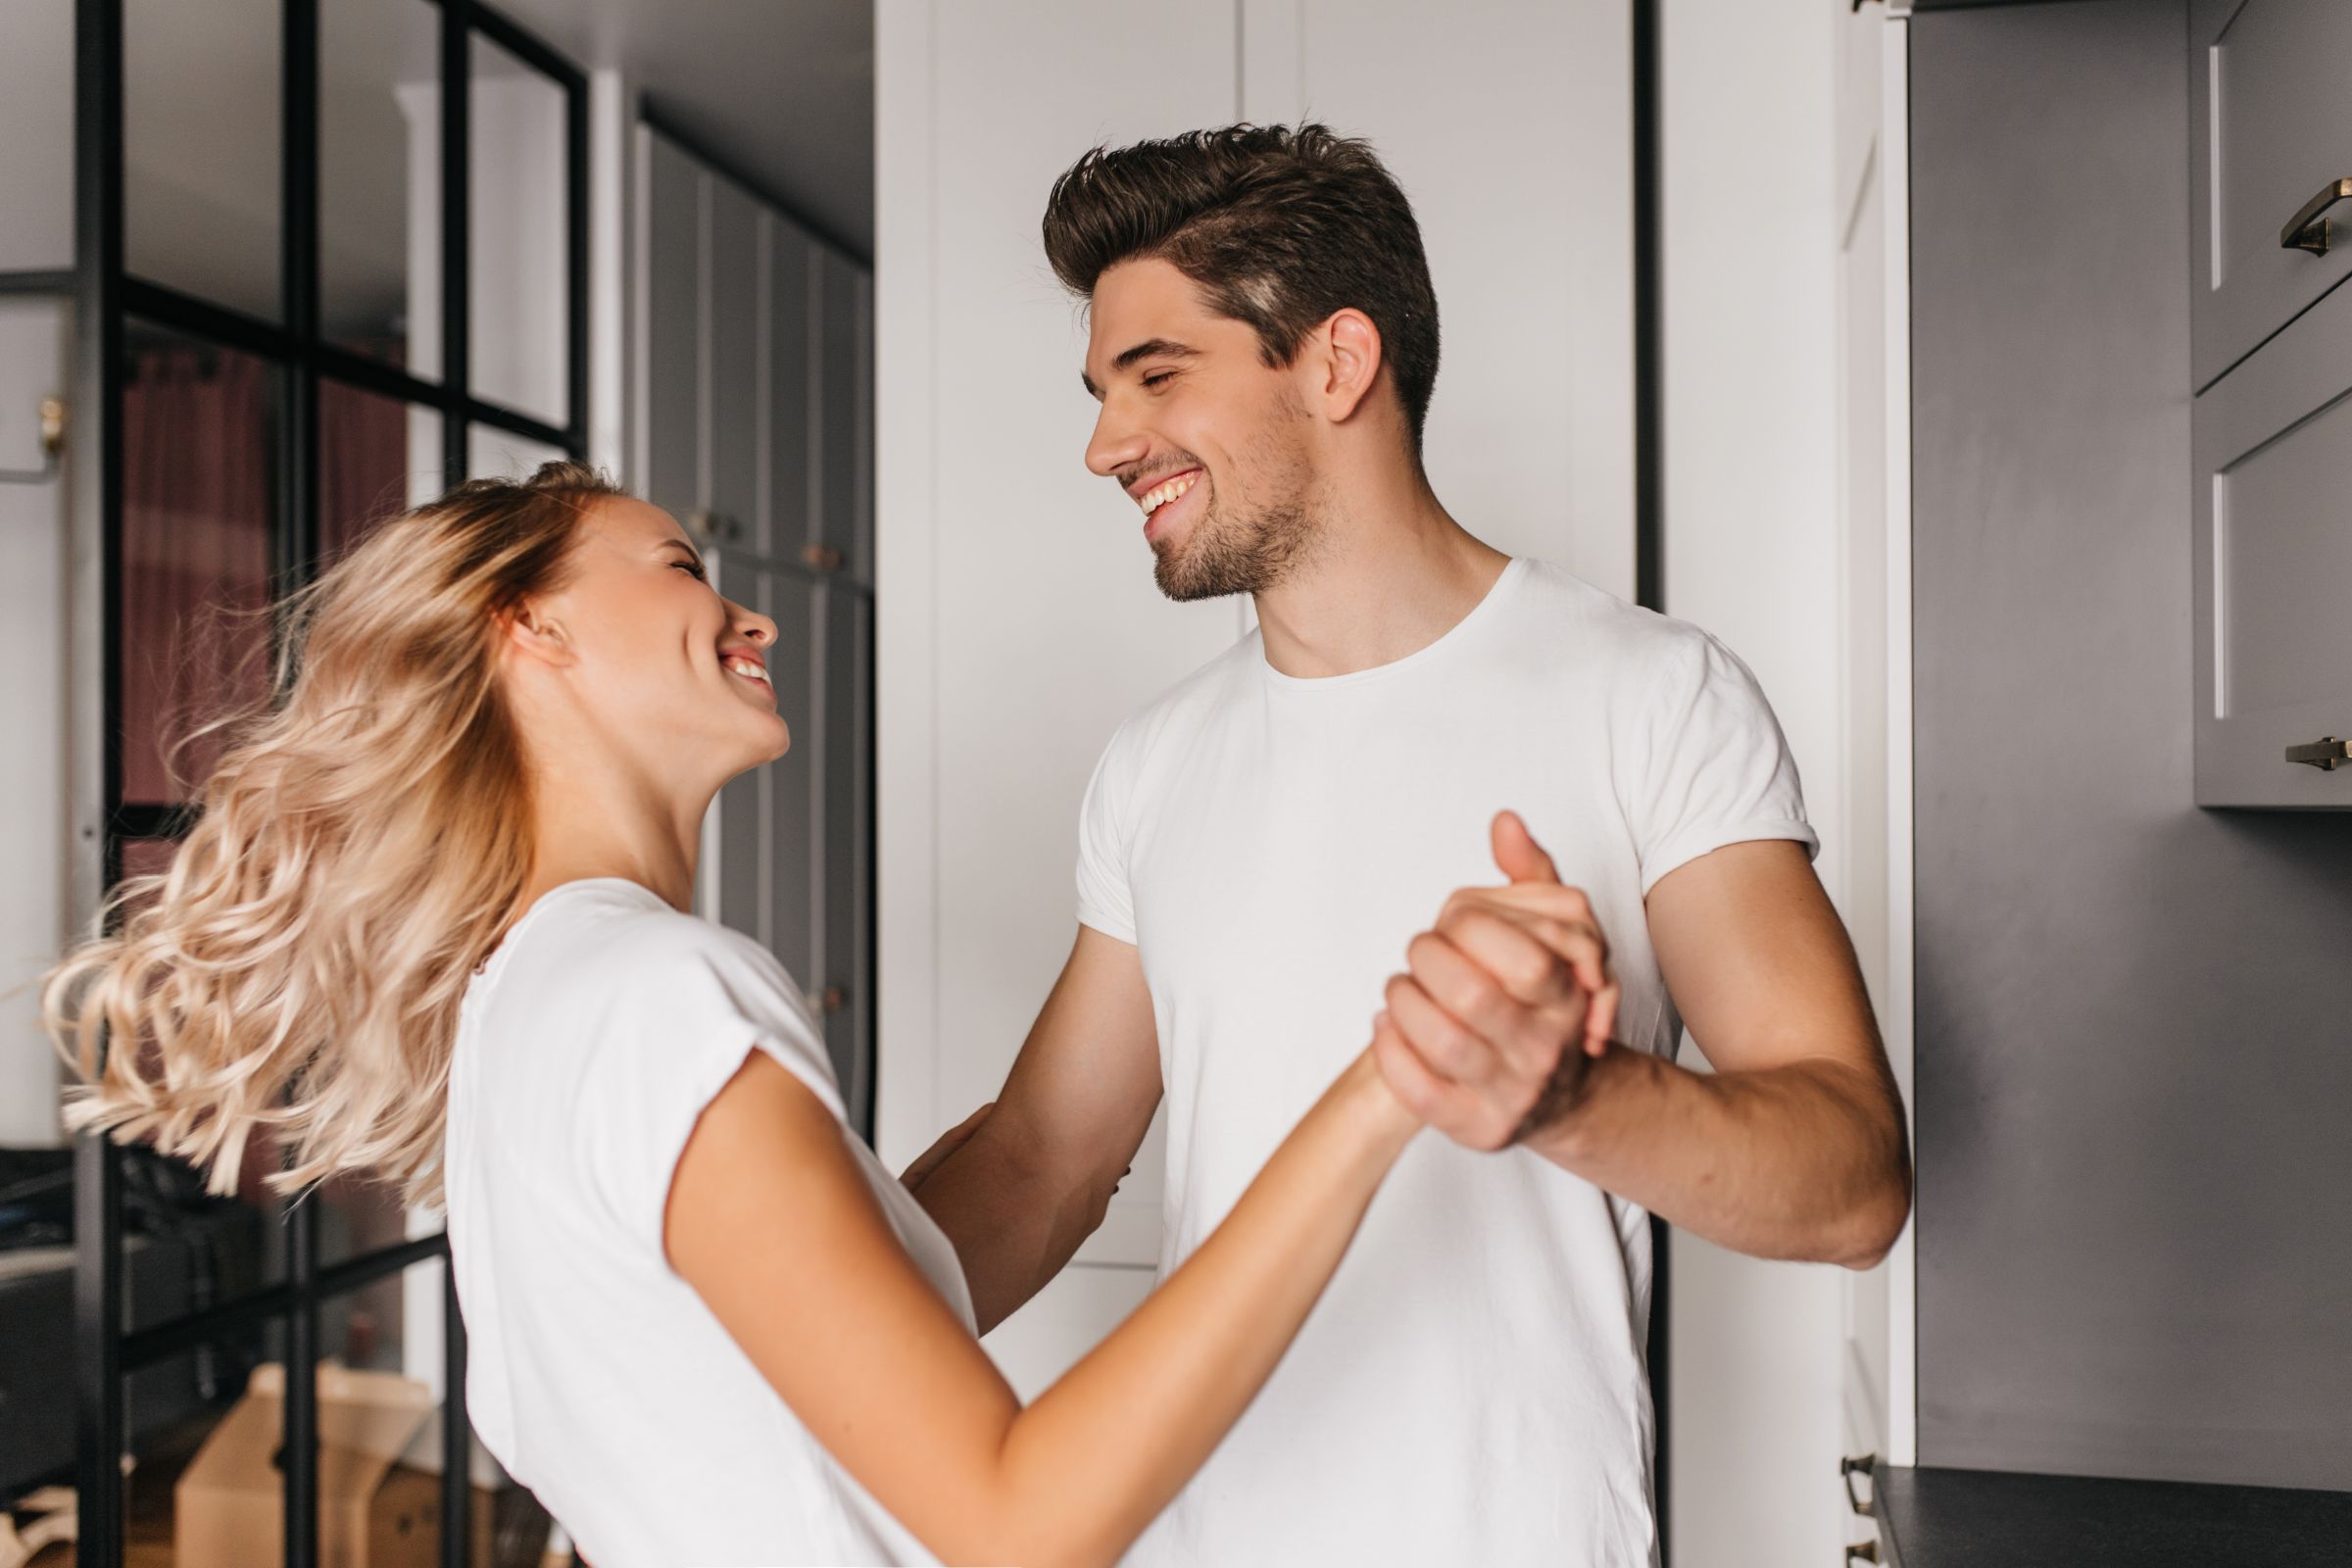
{"x":199,"y":148}
{"x":379,"y":179}
{"x":494,"y":453}
{"x":520,"y":279}
{"x":199,"y":495}
{"x":206,"y":1488}
{"x":377,"y":457}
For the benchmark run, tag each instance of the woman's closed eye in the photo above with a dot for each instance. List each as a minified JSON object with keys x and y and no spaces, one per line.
{"x":692,"y":568}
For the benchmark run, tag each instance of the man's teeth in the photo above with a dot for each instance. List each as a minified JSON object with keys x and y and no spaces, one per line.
{"x":1159,"y":496}
{"x":748,"y":670}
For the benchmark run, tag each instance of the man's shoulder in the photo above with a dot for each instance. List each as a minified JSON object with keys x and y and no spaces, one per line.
{"x":1599,"y":633}
{"x":1192,"y":700}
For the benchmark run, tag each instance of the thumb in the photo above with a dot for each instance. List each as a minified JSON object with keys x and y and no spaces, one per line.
{"x":1517,"y":853}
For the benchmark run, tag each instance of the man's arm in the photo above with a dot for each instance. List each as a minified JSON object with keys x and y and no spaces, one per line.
{"x":1794,"y":1148}
{"x":1034,"y":1178}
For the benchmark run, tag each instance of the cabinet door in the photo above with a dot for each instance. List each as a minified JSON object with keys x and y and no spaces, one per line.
{"x":847,"y":990}
{"x":795,"y":897}
{"x":669,"y":250}
{"x":790,"y":482}
{"x":2273,"y":568}
{"x":2270,"y":134}
{"x":730,"y":394}
{"x":842,"y":355}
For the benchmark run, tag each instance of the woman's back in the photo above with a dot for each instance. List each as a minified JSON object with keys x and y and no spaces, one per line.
{"x":589,"y":1045}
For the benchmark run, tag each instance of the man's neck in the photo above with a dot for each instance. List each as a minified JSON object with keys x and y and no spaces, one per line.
{"x":1382,"y":583}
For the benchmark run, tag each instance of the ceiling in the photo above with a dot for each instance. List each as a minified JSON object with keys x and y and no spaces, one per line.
{"x":779,"y":91}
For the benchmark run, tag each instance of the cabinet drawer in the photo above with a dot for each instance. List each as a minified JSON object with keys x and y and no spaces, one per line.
{"x":2272,"y":567}
{"x":2272,"y":131}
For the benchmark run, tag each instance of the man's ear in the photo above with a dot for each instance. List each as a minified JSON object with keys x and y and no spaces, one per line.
{"x":1351,"y":358}
{"x":530,"y":634}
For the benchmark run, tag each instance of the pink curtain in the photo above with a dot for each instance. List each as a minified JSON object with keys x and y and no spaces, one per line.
{"x":197,"y":495}
{"x":363,"y":463}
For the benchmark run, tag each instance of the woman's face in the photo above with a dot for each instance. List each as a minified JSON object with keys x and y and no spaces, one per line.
{"x":659,"y":664}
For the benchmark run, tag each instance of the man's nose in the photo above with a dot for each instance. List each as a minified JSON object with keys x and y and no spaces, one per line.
{"x":1114,"y":444}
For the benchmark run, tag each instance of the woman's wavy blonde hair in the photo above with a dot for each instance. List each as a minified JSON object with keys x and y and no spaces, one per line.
{"x":362,"y":844}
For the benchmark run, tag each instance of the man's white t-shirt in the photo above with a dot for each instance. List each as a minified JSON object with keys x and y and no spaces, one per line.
{"x":604,"y":1024}
{"x":1471,"y":1389}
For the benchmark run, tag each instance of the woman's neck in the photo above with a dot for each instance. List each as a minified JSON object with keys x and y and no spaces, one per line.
{"x":593,"y":825}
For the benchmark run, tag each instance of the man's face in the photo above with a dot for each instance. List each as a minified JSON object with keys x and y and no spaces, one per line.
{"x":1200,"y":433}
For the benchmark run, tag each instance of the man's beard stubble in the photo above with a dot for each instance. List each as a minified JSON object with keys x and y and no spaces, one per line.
{"x":1228,"y":555}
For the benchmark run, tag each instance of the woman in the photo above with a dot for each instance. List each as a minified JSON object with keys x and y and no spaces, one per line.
{"x":429,"y":925}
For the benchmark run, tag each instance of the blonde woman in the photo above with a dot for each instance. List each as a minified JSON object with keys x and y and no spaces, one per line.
{"x":429,"y":925}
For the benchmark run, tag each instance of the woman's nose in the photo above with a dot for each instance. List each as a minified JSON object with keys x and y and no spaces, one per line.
{"x":755,"y":626}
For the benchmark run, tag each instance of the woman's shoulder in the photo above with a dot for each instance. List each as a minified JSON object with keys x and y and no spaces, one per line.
{"x":610,"y":950}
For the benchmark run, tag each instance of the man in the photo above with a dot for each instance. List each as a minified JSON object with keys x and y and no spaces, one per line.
{"x":1264,"y":343}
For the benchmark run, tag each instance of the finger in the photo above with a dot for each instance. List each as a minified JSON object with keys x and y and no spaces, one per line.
{"x":1420,"y":1090}
{"x":1452,"y":1050}
{"x":1526,"y":1038}
{"x":1576,"y":943}
{"x":1517,"y":854}
{"x":1600,"y":1020}
{"x":1508,"y":953}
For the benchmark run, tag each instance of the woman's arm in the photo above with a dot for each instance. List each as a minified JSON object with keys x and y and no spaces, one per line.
{"x":771,"y":1222}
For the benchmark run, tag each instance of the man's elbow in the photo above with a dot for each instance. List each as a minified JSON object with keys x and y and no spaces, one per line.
{"x":1871,"y":1225}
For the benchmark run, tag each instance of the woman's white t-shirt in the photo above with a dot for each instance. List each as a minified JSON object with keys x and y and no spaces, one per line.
{"x":586,"y":1050}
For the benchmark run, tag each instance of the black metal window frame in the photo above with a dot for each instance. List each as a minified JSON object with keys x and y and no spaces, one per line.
{"x":107,"y":1354}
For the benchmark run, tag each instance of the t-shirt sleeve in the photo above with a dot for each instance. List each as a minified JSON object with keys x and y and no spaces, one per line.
{"x":682,"y":1021}
{"x":1713,"y":766}
{"x":1103,"y":899}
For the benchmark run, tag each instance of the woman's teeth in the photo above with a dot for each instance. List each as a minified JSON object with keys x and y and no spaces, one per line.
{"x":1160,"y":495}
{"x":748,"y":670}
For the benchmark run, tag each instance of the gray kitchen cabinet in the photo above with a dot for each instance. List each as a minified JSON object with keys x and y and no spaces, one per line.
{"x":2269,"y":141}
{"x":2270,"y":351}
{"x":754,"y":427}
{"x":2272,"y":564}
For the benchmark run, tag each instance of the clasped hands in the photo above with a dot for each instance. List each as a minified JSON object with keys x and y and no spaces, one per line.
{"x":1491,"y":1031}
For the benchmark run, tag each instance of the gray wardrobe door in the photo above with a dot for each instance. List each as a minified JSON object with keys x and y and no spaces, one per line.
{"x":731,"y":360}
{"x":795,"y":895}
{"x":847,"y":987}
{"x":841,"y":351}
{"x":672,"y":241}
{"x":790,"y":306}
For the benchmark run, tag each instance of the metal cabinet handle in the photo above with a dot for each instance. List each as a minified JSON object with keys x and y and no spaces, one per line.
{"x":2307,"y":230}
{"x":52,"y":442}
{"x":1867,"y":1552}
{"x":2324,"y":754}
{"x":1851,"y":1467}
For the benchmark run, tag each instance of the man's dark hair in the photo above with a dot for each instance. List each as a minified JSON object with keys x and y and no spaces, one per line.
{"x":1279,"y":227}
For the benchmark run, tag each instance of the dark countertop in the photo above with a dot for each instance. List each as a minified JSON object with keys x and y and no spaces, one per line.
{"x":1993,"y":1519}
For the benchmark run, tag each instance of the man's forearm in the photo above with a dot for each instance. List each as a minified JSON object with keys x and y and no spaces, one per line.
{"x":1807,"y":1160}
{"x":1014,"y":1222}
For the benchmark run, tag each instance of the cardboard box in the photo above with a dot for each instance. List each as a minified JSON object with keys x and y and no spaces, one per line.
{"x":373,"y":1512}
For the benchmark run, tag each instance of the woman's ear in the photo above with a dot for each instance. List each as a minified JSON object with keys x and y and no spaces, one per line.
{"x":531,"y":633}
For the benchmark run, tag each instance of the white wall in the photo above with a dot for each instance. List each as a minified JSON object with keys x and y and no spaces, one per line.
{"x":1018,"y":619}
{"x":1770,"y":547}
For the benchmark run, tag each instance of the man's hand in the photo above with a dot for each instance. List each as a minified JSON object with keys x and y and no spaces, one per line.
{"x":949,"y":1141}
{"x":1507,"y":1001}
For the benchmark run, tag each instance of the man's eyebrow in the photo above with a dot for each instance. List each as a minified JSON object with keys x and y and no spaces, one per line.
{"x":1149,"y":348}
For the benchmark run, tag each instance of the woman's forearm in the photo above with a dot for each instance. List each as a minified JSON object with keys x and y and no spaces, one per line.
{"x":1101,"y":1451}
